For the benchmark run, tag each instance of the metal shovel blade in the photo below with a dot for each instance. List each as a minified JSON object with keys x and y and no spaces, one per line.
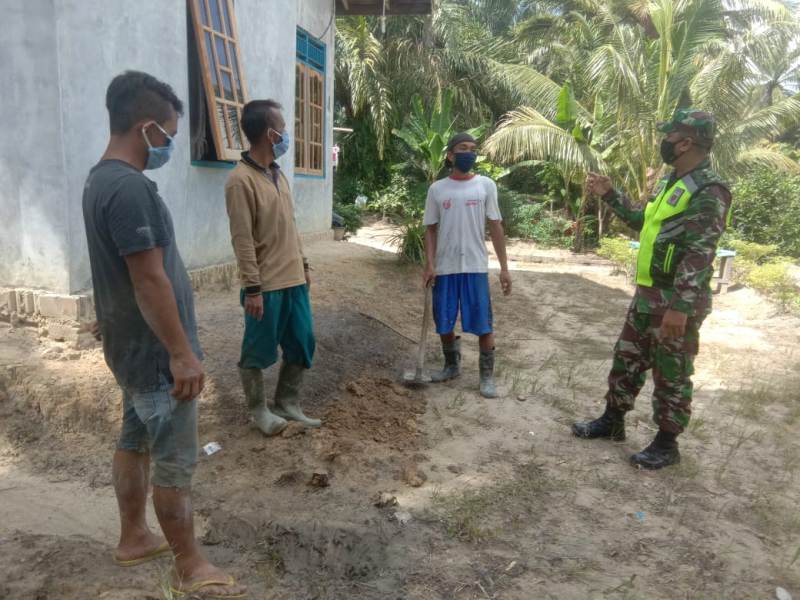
{"x":416,"y":376}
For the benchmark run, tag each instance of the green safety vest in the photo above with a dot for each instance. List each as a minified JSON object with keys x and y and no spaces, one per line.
{"x":661,"y":241}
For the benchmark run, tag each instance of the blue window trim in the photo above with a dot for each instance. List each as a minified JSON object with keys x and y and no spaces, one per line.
{"x":213,"y":164}
{"x":313,"y":53}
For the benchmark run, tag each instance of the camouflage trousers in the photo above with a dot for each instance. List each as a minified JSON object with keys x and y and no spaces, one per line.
{"x":640,"y":349}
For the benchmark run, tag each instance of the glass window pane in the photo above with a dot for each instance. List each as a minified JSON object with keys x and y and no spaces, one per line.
{"x":233,"y":121}
{"x":227,"y":85}
{"x":221,"y":121}
{"x":236,"y":77}
{"x":202,"y":6}
{"x":216,"y":21}
{"x":221,"y":56}
{"x":228,"y":28}
{"x":211,"y":65}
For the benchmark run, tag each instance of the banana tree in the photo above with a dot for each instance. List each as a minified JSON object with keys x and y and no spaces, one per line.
{"x":426,"y":134}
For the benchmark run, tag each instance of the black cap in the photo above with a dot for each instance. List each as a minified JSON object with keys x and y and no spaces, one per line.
{"x":459,"y":138}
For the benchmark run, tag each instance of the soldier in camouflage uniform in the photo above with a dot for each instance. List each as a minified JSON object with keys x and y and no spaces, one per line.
{"x":679,"y":230}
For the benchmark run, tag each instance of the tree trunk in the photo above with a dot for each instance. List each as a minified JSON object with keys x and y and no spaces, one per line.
{"x":577,"y":245}
{"x":599,"y":221}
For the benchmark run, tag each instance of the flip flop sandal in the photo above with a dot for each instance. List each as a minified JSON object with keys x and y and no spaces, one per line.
{"x":153,"y":554}
{"x":196,"y":587}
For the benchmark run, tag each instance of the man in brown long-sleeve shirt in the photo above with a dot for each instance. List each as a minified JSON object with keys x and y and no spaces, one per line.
{"x":273,"y":271}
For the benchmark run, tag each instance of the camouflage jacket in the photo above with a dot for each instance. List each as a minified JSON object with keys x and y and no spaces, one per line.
{"x":704,"y":222}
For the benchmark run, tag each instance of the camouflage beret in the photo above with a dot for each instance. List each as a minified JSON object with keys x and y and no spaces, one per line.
{"x":691,"y":120}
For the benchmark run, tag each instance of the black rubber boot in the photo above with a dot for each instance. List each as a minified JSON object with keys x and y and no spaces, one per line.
{"x":452,"y":362}
{"x":662,"y":452}
{"x":610,"y":425}
{"x":486,"y":366}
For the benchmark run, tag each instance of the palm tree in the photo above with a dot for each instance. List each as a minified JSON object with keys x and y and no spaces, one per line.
{"x":360,"y":84}
{"x":462,"y":47}
{"x":626,"y":80}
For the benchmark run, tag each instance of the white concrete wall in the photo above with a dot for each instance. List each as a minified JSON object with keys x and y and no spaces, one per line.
{"x":69,"y":50}
{"x":33,"y":205}
{"x":316,"y":17}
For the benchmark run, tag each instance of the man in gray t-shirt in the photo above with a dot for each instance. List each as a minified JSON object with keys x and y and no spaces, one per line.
{"x":145,"y":314}
{"x":124,"y":215}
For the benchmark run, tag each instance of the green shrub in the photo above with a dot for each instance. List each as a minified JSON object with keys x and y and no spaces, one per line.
{"x":403,"y":197}
{"x":750,"y":251}
{"x":508,"y":202}
{"x":773,"y":279}
{"x":534,"y":222}
{"x":618,"y":250}
{"x":766,"y":210}
{"x":345,"y":189}
{"x":351,"y":215}
{"x":410,"y":240}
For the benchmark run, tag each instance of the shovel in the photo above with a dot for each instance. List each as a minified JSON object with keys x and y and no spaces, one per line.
{"x":418,"y":377}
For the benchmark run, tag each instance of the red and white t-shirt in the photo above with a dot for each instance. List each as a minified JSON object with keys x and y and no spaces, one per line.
{"x":460,"y":207}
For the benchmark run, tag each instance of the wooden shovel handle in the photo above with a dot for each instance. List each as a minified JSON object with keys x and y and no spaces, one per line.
{"x":426,"y":319}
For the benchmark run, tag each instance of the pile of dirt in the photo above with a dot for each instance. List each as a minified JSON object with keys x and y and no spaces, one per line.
{"x":371,"y":412}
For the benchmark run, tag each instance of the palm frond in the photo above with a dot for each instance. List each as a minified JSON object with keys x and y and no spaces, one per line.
{"x":525,"y":134}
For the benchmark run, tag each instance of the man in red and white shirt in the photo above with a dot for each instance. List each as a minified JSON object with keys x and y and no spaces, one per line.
{"x":457,"y":263}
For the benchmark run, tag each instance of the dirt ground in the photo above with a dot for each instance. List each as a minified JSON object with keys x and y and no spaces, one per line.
{"x":494,"y":499}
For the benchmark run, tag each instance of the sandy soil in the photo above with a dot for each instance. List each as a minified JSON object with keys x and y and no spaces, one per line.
{"x":495,"y":499}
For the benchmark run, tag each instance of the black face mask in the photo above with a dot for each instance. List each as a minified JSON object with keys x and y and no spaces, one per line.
{"x":668,"y":151}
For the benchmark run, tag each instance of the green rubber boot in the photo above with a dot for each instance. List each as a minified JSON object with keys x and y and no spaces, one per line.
{"x":287,"y":393}
{"x":452,"y":362}
{"x":253,"y":384}
{"x":486,"y":365}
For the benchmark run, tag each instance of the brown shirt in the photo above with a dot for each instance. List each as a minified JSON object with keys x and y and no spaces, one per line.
{"x":263,"y":229}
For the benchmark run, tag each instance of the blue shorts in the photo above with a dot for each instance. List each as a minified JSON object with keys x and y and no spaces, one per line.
{"x":467,"y":292}
{"x":156,"y":422}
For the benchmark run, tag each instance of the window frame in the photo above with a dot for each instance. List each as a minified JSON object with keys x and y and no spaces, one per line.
{"x":225,"y":142}
{"x":310,"y":66}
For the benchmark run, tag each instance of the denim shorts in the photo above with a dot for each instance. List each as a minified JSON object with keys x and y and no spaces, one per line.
{"x":157,"y":423}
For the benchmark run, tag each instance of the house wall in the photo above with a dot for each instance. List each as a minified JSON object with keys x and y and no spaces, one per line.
{"x":313,"y":193}
{"x":66,"y":52}
{"x":33,"y":207}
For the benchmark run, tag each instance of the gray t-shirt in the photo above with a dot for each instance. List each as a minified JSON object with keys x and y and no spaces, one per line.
{"x":124,"y":214}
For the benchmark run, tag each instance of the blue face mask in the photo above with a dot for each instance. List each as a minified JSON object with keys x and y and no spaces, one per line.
{"x":281,"y":147}
{"x":464,"y":161}
{"x":158,"y":157}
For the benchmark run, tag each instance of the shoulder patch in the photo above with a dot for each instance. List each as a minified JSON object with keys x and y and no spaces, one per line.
{"x":675,"y":197}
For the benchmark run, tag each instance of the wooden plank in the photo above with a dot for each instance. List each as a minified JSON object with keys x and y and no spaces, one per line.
{"x":235,"y":32}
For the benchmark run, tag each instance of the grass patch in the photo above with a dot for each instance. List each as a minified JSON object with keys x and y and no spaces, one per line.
{"x":698,"y":429}
{"x":456,"y":404}
{"x":477,"y":515}
{"x":774,"y":515}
